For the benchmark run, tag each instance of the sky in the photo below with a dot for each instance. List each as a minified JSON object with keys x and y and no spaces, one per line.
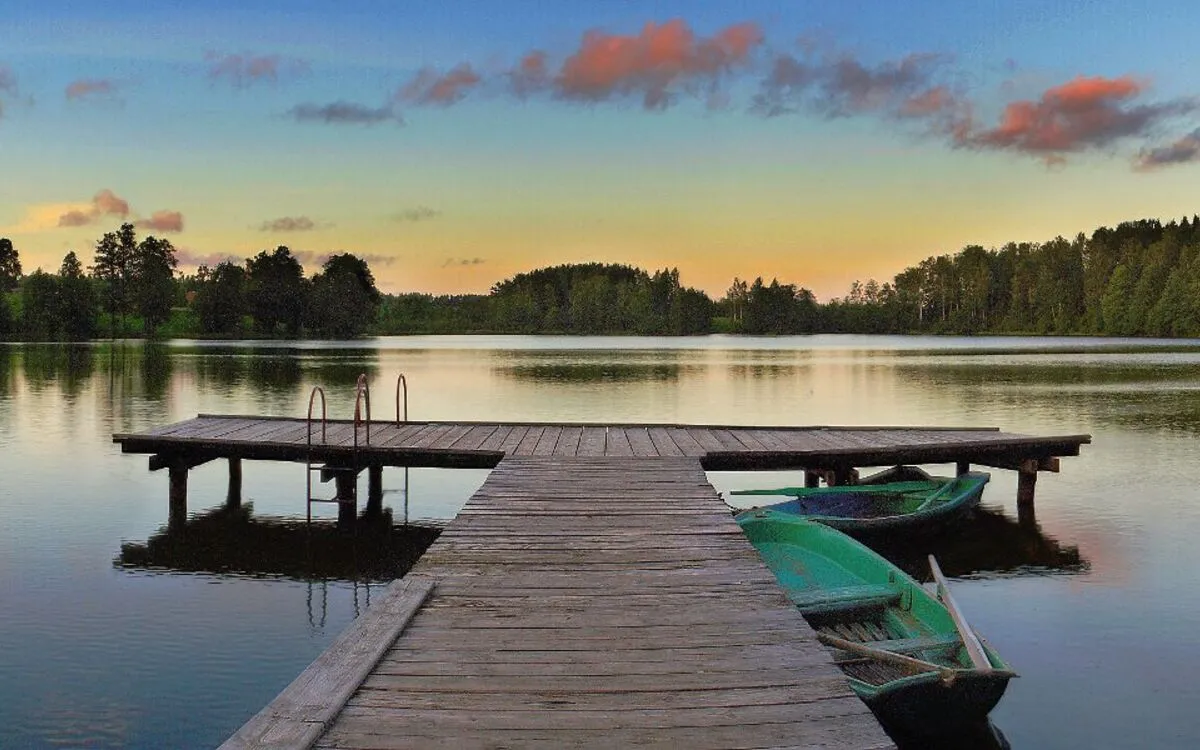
{"x":455,"y":144}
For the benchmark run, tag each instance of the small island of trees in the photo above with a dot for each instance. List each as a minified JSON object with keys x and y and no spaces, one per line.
{"x":1141,"y":278}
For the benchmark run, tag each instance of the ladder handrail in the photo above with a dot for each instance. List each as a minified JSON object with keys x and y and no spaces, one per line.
{"x":362,"y":392}
{"x":309,"y":460}
{"x":311,"y":397}
{"x":401,"y":381}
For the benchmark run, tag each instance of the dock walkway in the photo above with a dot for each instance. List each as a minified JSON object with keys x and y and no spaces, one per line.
{"x":578,"y":602}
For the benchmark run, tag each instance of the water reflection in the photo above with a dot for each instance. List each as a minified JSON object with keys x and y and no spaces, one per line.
{"x":986,"y":544}
{"x":232,"y":541}
{"x":589,"y":367}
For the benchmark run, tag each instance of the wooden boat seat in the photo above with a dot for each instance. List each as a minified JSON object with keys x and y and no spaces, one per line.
{"x":822,"y":601}
{"x":912,"y":645}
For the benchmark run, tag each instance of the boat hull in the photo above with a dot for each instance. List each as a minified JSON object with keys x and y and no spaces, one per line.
{"x":861,"y":512}
{"x":926,"y":706}
{"x":847,"y":591}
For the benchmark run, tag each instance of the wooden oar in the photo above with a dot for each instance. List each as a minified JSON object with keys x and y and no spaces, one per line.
{"x":974,"y":648}
{"x":862,"y":649}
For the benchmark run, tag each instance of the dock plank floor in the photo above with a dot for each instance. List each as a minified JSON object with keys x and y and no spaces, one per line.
{"x":483,"y":444}
{"x":546,"y":631}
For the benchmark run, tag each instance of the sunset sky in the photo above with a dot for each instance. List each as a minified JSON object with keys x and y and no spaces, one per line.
{"x":454,"y":144}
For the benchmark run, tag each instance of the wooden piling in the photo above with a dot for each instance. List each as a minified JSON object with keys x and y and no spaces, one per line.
{"x":177,"y":494}
{"x":374,"y":489}
{"x":233,"y":497}
{"x":962,"y":467}
{"x":812,"y":478}
{"x":1026,"y":481}
{"x":347,"y":496}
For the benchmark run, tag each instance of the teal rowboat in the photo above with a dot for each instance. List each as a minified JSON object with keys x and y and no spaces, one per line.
{"x":874,"y":506}
{"x":908,"y":654}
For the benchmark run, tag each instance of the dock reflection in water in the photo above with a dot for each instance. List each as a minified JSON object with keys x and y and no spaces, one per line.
{"x":231,"y":541}
{"x":985,"y":544}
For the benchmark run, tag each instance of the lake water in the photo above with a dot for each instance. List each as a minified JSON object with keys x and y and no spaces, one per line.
{"x":106,"y":641}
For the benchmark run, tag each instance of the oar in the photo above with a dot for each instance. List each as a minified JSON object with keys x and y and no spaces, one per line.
{"x":890,"y":657}
{"x":974,"y":648}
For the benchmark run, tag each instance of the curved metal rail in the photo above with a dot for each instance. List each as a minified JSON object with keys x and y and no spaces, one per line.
{"x":401,"y":384}
{"x":362,"y":394}
{"x":312,"y":396}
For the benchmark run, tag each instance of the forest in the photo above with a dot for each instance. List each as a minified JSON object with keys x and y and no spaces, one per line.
{"x":1141,"y":278}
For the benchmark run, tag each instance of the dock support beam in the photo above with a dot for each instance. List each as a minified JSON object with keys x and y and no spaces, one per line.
{"x":233,"y":498}
{"x":962,"y":467}
{"x":177,"y":495}
{"x":347,"y":496}
{"x":374,"y":490}
{"x":1026,"y":482}
{"x":812,"y":478}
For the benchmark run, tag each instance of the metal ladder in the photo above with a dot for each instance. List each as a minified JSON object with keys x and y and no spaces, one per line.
{"x":362,"y":420}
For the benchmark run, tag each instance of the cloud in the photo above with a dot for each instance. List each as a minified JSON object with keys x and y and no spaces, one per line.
{"x":85,"y":87}
{"x":162,"y":221}
{"x":104,"y":203}
{"x":530,"y":75}
{"x":8,"y":83}
{"x":1080,"y":114}
{"x":843,"y":86}
{"x":187,"y":256}
{"x":430,"y":87}
{"x":344,"y":113}
{"x":245,"y":70}
{"x":463,"y":262}
{"x":288,"y":224}
{"x":656,"y":64}
{"x":1186,"y":150}
{"x":418,"y":213}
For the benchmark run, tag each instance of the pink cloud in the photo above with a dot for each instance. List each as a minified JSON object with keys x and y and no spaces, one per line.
{"x":187,"y":256}
{"x":163,"y":221}
{"x":85,"y":87}
{"x":655,"y":63}
{"x":1079,"y":114}
{"x":104,"y":203}
{"x":245,"y":70}
{"x":430,"y":87}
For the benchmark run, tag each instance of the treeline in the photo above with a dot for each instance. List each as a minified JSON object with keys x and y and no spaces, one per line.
{"x":132,"y":289}
{"x":1141,"y":278}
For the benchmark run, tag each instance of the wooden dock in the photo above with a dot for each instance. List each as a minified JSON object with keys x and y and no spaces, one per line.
{"x":577,"y":602}
{"x":595,"y":592}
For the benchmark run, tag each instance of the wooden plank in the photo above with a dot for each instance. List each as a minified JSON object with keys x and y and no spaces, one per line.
{"x":663,"y":442}
{"x":546,"y":443}
{"x":593,"y":441}
{"x":529,"y":442}
{"x":474,"y":437}
{"x":497,"y":438}
{"x":618,"y":443}
{"x":568,"y":441}
{"x":640,"y":442}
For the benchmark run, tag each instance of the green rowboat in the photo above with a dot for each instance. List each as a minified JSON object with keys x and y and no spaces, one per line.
{"x":880,"y":504}
{"x":909,"y":655}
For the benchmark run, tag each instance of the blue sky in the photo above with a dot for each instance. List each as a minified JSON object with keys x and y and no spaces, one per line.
{"x":652,"y":134}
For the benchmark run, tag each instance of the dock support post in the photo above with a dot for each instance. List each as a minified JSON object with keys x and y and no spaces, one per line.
{"x":347,"y":491}
{"x":233,"y":498}
{"x":962,"y":467}
{"x":374,"y":490}
{"x":177,"y":495}
{"x":812,"y":478}
{"x":1026,"y":482}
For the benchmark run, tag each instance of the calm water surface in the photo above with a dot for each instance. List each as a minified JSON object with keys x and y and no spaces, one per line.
{"x":113,"y":636}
